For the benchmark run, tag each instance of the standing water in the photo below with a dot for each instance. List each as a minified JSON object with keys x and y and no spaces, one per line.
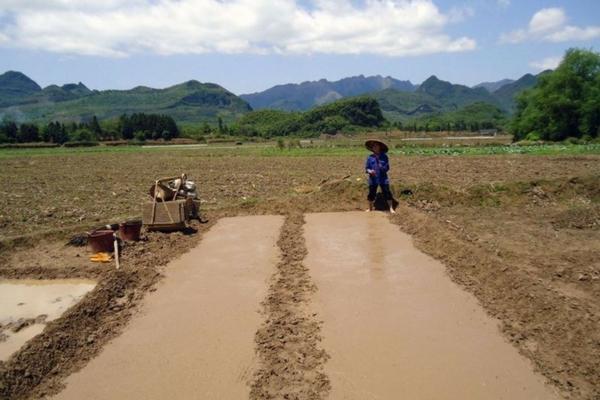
{"x":27,"y":305}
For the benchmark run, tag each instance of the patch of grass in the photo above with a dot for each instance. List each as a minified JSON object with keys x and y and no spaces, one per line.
{"x":271,"y":150}
{"x":249,"y":202}
{"x":547,"y":149}
{"x":551,"y":149}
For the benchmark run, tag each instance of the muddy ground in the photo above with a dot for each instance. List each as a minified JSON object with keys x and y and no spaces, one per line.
{"x":290,"y":358}
{"x":520,"y":232}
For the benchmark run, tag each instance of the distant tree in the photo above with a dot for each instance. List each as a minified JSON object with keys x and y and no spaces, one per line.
{"x":55,"y":132}
{"x":166,"y":135}
{"x":244,"y":130}
{"x":139,"y":136}
{"x":154,"y":126}
{"x":82,"y":135}
{"x":222,"y":127}
{"x":28,"y":133}
{"x":9,"y":131}
{"x":71,"y":127}
{"x":331,"y":124}
{"x":564,"y":103}
{"x":125,"y":127}
{"x":95,"y":127}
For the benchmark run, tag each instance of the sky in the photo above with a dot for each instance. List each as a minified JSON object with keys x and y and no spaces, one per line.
{"x":251,"y":45}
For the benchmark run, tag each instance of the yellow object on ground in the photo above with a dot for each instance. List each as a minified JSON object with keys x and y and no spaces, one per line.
{"x":101,"y":257}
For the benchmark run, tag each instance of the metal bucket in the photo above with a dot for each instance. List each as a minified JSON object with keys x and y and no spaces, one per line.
{"x":101,"y":241}
{"x":130,"y":230}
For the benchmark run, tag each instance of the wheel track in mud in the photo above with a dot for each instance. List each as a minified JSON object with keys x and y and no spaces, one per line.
{"x":287,"y":344}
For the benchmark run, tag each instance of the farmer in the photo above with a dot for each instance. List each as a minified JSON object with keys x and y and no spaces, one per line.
{"x":377,"y":167}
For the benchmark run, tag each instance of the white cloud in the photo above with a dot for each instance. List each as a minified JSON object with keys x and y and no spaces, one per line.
{"x":573,"y":33}
{"x":546,"y":63}
{"x":550,"y":25}
{"x":547,"y":20}
{"x":118,"y":28}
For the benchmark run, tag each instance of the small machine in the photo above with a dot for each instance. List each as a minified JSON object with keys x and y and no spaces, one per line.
{"x":174,"y":204}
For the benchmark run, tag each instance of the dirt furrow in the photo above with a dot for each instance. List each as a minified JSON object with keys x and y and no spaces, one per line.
{"x":556,"y":332}
{"x":288,"y":342}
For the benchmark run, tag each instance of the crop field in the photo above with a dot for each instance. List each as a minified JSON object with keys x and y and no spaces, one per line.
{"x":516,"y":226}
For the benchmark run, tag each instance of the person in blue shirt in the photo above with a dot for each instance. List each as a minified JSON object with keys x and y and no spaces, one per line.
{"x":377,"y":167}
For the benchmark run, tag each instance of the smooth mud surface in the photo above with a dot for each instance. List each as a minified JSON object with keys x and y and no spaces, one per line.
{"x":27,"y":305}
{"x":394,"y":324}
{"x":195,"y":335}
{"x":321,"y":306}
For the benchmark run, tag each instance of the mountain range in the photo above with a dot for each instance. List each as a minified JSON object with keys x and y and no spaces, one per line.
{"x":493,"y":86}
{"x":190,"y":102}
{"x":303,"y":96}
{"x":23,"y":99}
{"x":398,"y":99}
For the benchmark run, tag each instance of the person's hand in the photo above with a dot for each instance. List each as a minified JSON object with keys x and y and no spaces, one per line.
{"x":371,"y":172}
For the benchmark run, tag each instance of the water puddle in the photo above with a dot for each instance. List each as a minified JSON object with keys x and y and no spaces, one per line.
{"x":27,"y":305}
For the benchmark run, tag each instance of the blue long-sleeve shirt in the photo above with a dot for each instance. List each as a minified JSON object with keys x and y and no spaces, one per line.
{"x":381,"y":165}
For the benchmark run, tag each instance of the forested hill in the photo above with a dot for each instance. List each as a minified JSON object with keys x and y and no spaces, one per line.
{"x":454,"y":96}
{"x":493,"y":86}
{"x":435,"y":96}
{"x":398,"y":99}
{"x":303,"y":96}
{"x":507,"y":93}
{"x":16,"y":87}
{"x":22,"y":99}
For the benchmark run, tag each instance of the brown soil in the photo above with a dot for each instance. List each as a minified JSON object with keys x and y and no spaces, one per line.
{"x":69,"y":342}
{"x":194,"y":337}
{"x":519,"y":232}
{"x":45,"y":194}
{"x":291,"y":360}
{"x":540,"y":280}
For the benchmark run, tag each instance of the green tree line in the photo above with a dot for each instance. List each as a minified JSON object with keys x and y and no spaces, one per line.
{"x":473,"y":117}
{"x":137,"y":126}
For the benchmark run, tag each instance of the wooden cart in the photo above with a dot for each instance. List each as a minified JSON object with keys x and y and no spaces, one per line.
{"x":167,"y":212}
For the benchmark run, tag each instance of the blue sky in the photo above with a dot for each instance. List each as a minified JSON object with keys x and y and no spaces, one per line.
{"x":250,"y":45}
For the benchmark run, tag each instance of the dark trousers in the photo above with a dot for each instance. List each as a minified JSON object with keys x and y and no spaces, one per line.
{"x":387,"y":194}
